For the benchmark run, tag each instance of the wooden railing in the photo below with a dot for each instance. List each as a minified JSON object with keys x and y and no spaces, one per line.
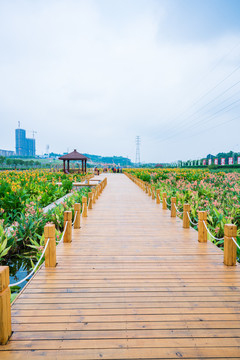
{"x":50,"y":254}
{"x":230,"y":230}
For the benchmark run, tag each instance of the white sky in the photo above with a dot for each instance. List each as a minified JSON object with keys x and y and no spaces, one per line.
{"x":92,"y":75}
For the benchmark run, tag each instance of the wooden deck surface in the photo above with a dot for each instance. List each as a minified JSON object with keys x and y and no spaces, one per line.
{"x":133,"y":284}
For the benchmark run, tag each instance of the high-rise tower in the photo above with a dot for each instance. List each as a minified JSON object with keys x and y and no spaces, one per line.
{"x":24,"y":146}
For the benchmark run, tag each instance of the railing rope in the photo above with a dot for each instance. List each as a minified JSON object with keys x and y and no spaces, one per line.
{"x":64,"y":230}
{"x":75,"y":216}
{"x":35,"y":267}
{"x":168,"y":204}
{"x":193,"y":223}
{"x":211,"y":233}
{"x":238,"y":246}
{"x":180,"y":212}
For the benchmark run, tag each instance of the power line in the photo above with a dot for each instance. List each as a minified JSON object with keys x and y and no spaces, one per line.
{"x":201,"y":122}
{"x":184,"y":123}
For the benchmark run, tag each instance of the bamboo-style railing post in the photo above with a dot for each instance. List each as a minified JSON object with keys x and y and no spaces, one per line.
{"x":94,"y":195}
{"x":5,"y":306}
{"x":153,"y":192}
{"x":90,"y":196}
{"x":173,"y":206}
{"x":202,"y":231}
{"x":68,"y":233}
{"x":50,"y":254}
{"x":186,"y":222}
{"x":84,"y":206}
{"x":230,"y":248}
{"x":149,"y":190}
{"x":158,"y":196}
{"x":77,"y":210}
{"x":96,"y":192}
{"x":164,"y":201}
{"x":146,"y":187}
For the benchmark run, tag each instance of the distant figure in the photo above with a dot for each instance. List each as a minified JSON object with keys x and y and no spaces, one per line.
{"x":96,"y":170}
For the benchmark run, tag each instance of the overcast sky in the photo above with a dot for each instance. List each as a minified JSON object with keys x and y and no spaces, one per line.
{"x":92,"y":75}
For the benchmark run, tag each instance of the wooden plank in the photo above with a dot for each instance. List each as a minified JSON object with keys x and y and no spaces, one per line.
{"x":134,"y":325}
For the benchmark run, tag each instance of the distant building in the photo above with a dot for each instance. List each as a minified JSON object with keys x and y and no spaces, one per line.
{"x":24,"y":146}
{"x":7,"y":153}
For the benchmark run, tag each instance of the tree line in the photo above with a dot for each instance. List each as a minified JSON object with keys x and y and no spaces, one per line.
{"x":14,"y":163}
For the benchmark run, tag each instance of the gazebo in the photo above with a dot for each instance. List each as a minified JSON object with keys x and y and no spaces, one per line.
{"x":74,"y":155}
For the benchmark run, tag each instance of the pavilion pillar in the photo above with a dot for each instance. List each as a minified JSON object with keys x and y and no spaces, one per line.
{"x":85,"y":166}
{"x":64,"y":168}
{"x":68,"y":166}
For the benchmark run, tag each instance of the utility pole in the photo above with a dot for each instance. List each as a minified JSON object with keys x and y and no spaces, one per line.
{"x":137,"y":151}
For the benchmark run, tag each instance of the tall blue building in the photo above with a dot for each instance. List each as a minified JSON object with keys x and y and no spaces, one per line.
{"x":24,"y":146}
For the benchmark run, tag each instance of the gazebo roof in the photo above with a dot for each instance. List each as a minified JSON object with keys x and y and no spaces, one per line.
{"x":74,"y":155}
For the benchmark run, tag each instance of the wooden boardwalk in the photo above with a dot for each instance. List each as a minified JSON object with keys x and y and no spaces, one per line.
{"x":133,"y":284}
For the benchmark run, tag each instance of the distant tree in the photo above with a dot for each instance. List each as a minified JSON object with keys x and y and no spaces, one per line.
{"x":9,"y":162}
{"x":2,"y":159}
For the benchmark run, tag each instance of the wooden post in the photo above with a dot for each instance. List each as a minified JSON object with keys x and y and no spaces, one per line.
{"x":230,"y":248}
{"x":68,"y":233}
{"x":153,"y":192}
{"x":173,"y":206}
{"x":94,"y":195}
{"x":77,"y":209}
{"x":5,"y":306}
{"x":84,"y":206}
{"x":50,"y":254}
{"x":186,"y":222}
{"x":149,"y":190}
{"x":164,"y":201}
{"x":158,"y":196}
{"x":96,"y":192}
{"x":202,"y":231}
{"x":90,"y":196}
{"x":146,"y":188}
